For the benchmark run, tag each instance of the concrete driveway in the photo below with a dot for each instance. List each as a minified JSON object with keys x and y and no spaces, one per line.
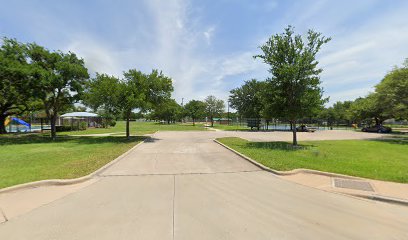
{"x":181,"y":185}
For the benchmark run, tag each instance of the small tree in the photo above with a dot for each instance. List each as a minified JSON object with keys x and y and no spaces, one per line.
{"x":61,"y":78}
{"x":293,"y":91}
{"x":214,"y":107}
{"x":195,"y":109}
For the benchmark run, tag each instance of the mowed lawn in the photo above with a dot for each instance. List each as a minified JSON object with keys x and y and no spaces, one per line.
{"x":139,"y":128}
{"x":376,"y":159}
{"x":232,"y":127}
{"x":27,"y":158}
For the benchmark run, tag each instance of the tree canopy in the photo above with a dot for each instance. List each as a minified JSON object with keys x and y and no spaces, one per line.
{"x":293,"y":91}
{"x":136,"y":90}
{"x":16,"y":80}
{"x":60,"y":80}
{"x":214,"y":107}
{"x":247,"y":99}
{"x":195,"y":109}
{"x":392,"y":92}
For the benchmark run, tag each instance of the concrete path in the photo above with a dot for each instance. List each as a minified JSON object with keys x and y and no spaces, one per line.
{"x":181,"y":185}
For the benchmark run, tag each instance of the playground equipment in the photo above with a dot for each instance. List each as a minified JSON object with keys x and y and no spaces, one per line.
{"x":18,"y":121}
{"x":8,"y":120}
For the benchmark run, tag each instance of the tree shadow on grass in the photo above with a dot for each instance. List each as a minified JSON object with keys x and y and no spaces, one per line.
{"x":399,"y":140}
{"x":285,"y":146}
{"x":41,"y":139}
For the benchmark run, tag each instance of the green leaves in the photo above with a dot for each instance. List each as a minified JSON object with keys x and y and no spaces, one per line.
{"x":135,"y":91}
{"x":214,"y":106}
{"x":392,"y":92}
{"x":293,"y":91}
{"x":247,"y":99}
{"x":16,"y":80}
{"x":195,"y":109}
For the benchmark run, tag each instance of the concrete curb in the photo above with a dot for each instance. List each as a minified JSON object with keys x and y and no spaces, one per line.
{"x":286,"y":173}
{"x":381,"y":199}
{"x":316,"y":172}
{"x":59,"y":182}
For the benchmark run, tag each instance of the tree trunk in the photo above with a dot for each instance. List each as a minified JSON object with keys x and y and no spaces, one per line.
{"x":212,"y":122}
{"x":127,"y":125}
{"x":2,"y":126}
{"x":53,"y":119}
{"x":258,"y":123}
{"x":193,"y":122}
{"x":378,"y":121}
{"x":293,"y":124}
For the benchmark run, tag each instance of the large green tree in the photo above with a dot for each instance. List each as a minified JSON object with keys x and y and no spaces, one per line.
{"x":143,"y":91}
{"x":214,"y":107}
{"x":370,"y":107}
{"x":102,"y":95}
{"x":169,"y":111}
{"x":136,"y":91}
{"x":61,"y":78}
{"x":392,"y":92}
{"x":293,"y":91}
{"x":247,"y":99}
{"x":339,"y":112}
{"x":16,"y":81}
{"x":195,"y":109}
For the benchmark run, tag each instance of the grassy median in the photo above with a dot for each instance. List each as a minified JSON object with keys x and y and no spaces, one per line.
{"x":376,"y":159}
{"x":27,"y":158}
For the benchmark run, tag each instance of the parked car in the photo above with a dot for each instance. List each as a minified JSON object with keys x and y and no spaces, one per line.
{"x":377,"y":129}
{"x":304,"y":128}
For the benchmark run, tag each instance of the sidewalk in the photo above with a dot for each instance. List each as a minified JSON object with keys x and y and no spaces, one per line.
{"x":17,"y":203}
{"x":391,"y":192}
{"x":366,"y":188}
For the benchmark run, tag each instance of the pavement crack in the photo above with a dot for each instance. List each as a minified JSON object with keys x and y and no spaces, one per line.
{"x":4,"y":215}
{"x":177,"y":174}
{"x":174,"y":199}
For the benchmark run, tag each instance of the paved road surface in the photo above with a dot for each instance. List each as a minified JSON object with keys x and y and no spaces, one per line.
{"x":181,"y":185}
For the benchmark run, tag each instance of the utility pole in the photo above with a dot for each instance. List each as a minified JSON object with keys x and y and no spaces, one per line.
{"x":182,"y":105}
{"x":228,"y":113}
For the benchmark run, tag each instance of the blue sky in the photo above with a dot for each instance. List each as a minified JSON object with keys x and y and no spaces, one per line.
{"x":207,"y":46}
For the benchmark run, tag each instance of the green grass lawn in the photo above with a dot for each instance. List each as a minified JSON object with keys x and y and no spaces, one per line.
{"x":375,"y":159}
{"x":231,"y":127}
{"x":26,"y":158}
{"x":139,"y":128}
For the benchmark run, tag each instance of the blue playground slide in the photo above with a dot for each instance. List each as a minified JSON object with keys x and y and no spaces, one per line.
{"x":19,"y":121}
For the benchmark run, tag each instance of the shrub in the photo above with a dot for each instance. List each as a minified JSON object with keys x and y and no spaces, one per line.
{"x":83,"y":125}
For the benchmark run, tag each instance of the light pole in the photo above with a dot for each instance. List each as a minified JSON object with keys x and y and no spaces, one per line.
{"x":228,"y":113}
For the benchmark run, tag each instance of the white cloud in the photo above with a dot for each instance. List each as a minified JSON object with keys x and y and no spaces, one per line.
{"x":361,"y":51}
{"x":350,"y":94}
{"x":171,"y":36}
{"x":98,"y":57}
{"x":208,"y":34}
